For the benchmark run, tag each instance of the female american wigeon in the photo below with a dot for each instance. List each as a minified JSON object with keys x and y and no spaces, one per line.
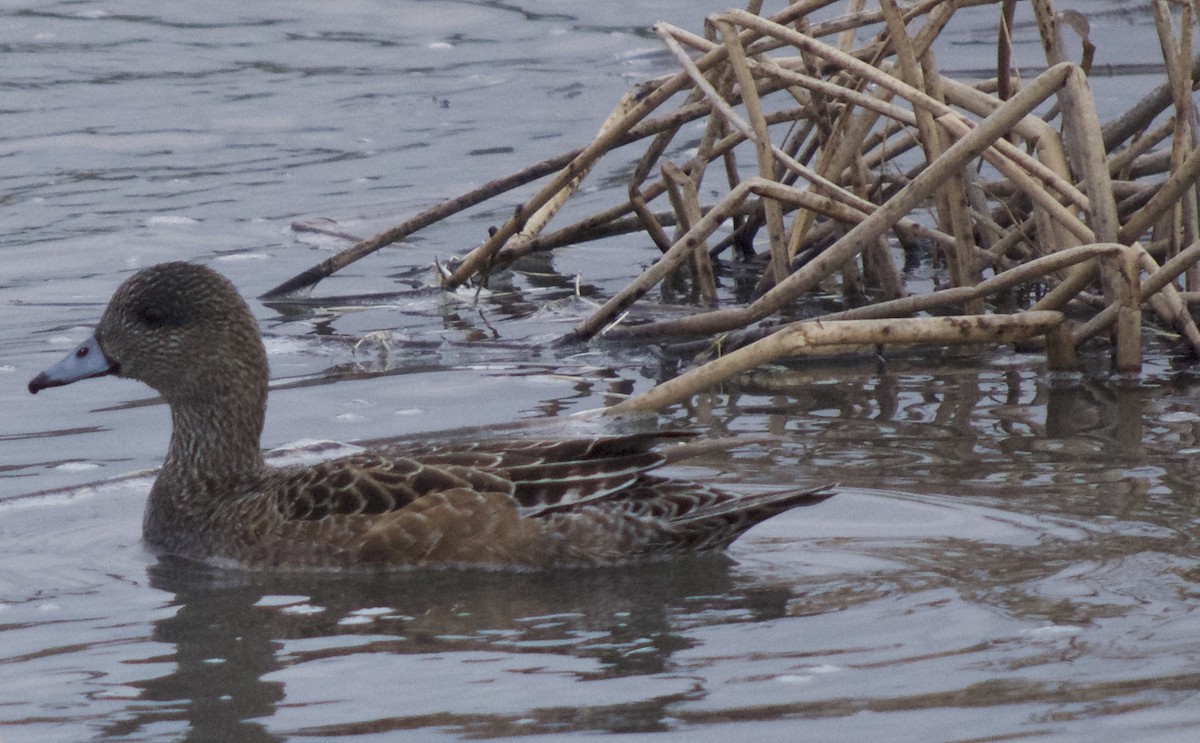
{"x":184,"y":330}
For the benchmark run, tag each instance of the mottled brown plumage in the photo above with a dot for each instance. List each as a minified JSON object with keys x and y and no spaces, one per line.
{"x":184,"y":330}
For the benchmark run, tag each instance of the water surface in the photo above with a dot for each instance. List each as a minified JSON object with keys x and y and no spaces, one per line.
{"x":1008,"y":556}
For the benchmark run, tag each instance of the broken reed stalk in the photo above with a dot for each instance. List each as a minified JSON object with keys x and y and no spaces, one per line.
{"x":1024,"y":273}
{"x":849,"y":246}
{"x":562,"y":164}
{"x":480,"y":258}
{"x":833,"y":131}
{"x":331,"y":265}
{"x":807,"y":335}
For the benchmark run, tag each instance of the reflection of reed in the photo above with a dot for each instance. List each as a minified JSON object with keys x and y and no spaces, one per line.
{"x":230,"y":629}
{"x":965,"y":430}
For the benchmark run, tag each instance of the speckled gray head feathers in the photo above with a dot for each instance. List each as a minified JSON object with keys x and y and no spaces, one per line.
{"x":184,"y":330}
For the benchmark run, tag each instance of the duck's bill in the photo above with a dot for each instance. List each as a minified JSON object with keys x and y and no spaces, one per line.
{"x":84,"y":362}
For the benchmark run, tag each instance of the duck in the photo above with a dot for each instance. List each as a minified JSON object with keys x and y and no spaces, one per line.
{"x":520,"y":504}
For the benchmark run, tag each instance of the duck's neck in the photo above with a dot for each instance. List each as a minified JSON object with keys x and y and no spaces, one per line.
{"x":215,"y":439}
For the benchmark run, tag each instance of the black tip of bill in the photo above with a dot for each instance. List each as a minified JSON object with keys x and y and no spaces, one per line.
{"x":85,"y":362}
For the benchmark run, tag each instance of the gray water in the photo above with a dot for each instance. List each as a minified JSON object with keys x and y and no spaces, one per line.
{"x":1007,"y":557}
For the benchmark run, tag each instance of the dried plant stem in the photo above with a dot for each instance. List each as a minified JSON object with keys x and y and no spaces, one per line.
{"x":1164,"y":199}
{"x":857,"y":143}
{"x":919,"y":189}
{"x":932,"y":330}
{"x":687,"y":206}
{"x":326,"y":268}
{"x":1023,"y":273}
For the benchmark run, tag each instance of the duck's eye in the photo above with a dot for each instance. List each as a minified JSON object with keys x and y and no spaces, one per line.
{"x":152,"y":316}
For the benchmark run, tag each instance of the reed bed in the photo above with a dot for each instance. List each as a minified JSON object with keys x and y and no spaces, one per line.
{"x":838,"y":150}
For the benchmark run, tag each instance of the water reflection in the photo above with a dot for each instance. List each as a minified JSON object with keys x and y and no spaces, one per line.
{"x":1046,"y":531}
{"x":964,"y":430}
{"x":236,"y":635}
{"x":1035,"y":575}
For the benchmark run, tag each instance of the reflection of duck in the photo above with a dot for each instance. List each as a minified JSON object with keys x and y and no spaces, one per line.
{"x":240,"y":642}
{"x":184,"y":330}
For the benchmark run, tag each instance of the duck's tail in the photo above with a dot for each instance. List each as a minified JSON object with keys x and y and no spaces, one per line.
{"x":715,"y":525}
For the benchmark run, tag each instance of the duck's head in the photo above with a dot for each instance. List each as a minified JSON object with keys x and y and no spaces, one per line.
{"x":181,"y":328}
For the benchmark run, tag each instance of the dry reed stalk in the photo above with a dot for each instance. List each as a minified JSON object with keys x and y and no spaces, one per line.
{"x":481,"y":257}
{"x":1086,"y":149}
{"x":1158,"y":290}
{"x":1141,"y":114}
{"x":920,"y":188}
{"x":1011,"y":193}
{"x":666,"y":32}
{"x":1126,"y":278}
{"x":536,"y":222}
{"x":329,"y":266}
{"x":1183,"y":217}
{"x":924,"y":330}
{"x":761,"y":138}
{"x":1061,"y":355}
{"x":680,"y":251}
{"x":1005,"y":281}
{"x":951,"y":206}
{"x":1164,"y":199}
{"x":682,"y":191}
{"x":1020,"y":274}
{"x":920,"y":101}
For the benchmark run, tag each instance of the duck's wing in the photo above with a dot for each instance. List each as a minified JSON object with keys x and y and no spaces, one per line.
{"x":366,"y":485}
{"x":463,"y":506}
{"x":553,"y":475}
{"x":539,"y":476}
